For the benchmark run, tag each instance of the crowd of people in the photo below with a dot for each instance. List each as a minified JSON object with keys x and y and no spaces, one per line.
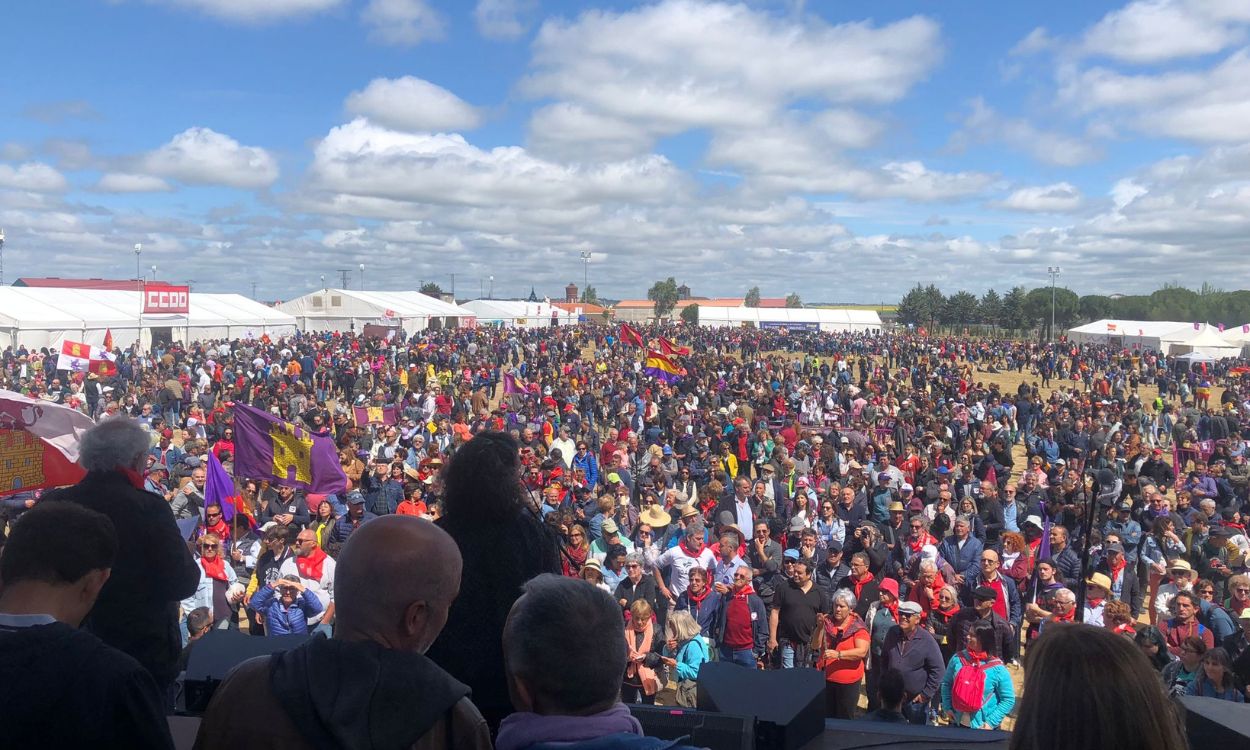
{"x":876,"y":506}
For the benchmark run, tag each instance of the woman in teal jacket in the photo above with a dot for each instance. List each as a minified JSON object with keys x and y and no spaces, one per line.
{"x":684,"y":651}
{"x":998,"y":697}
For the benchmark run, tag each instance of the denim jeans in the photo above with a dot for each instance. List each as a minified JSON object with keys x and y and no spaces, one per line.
{"x":743,"y":656}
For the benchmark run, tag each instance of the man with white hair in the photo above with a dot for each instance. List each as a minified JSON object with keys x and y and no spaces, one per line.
{"x":137,"y":611}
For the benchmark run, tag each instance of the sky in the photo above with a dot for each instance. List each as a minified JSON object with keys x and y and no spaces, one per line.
{"x":842,"y":151}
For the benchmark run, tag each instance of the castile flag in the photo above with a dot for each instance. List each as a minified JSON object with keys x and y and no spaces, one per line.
{"x":630,"y":335}
{"x":670,"y":349}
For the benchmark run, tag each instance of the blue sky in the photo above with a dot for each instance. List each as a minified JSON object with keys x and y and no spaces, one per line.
{"x":837,"y":150}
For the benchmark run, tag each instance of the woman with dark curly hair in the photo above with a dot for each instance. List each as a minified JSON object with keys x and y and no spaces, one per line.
{"x":504,"y":544}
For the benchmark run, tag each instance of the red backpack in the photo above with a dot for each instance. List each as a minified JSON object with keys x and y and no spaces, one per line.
{"x":968,"y":691}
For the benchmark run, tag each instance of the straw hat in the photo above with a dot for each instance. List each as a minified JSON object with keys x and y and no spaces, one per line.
{"x":655,"y":517}
{"x":1101,"y":580}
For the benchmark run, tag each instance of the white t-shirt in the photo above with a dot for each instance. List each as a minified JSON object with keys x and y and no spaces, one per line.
{"x":682,"y":565}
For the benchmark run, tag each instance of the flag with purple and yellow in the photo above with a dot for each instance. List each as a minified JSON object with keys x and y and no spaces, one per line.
{"x":662,"y":368}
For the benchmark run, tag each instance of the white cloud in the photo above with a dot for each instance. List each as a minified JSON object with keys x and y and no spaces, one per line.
{"x":1038,"y":40}
{"x":683,"y":64}
{"x":33,"y":176}
{"x":1057,"y":198}
{"x":403,"y":22}
{"x":200,"y":156}
{"x":411,"y":103}
{"x":1210,"y":106}
{"x":255,"y":11}
{"x":503,"y":19}
{"x":123,"y":182}
{"x":569,"y":132}
{"x":365,"y":160}
{"x":1152,"y":31}
{"x":984,"y":124}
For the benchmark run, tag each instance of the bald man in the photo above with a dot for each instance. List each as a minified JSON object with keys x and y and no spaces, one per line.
{"x":371,"y":685}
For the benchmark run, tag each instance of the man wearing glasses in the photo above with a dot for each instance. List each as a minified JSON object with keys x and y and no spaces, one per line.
{"x":313,"y":568}
{"x":742,"y":624}
{"x":915,"y":653}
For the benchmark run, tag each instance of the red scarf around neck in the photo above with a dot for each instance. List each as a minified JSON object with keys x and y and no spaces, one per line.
{"x":214,"y":568}
{"x":698,"y":598}
{"x":977,"y":656}
{"x":917,"y":545}
{"x":746,"y":591}
{"x":1115,"y":569}
{"x":1070,"y":617}
{"x":693,"y":552}
{"x":132,"y":476}
{"x":310,"y":567}
{"x":220,"y":529}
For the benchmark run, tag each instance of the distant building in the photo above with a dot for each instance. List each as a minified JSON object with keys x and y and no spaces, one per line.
{"x":570,"y":293}
{"x":683,"y":292}
{"x":52,"y":282}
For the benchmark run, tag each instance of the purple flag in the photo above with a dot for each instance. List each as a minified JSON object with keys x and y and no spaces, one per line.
{"x":510,"y":385}
{"x":268,"y":448}
{"x":219,"y":488}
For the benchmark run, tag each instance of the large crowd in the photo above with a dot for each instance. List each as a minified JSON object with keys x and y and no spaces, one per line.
{"x":876,"y":506}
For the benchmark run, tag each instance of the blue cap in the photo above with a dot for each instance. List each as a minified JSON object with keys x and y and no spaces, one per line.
{"x":944,"y":470}
{"x":791,"y":554}
{"x":668,"y":450}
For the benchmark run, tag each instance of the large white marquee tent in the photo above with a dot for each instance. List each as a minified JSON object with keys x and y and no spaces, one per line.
{"x":45,"y":317}
{"x":1170,"y":337}
{"x":351,"y":309}
{"x":1205,"y":341}
{"x":792,"y":318}
{"x":518,"y":313}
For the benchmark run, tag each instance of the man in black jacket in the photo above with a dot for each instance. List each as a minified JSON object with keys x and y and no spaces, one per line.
{"x":137,"y":611}
{"x":61,"y":686}
{"x":1067,"y":562}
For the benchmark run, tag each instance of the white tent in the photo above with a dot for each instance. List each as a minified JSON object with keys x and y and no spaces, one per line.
{"x":44,"y":317}
{"x":351,"y":309}
{"x":1128,"y":334}
{"x":518,"y":313}
{"x":792,"y":318}
{"x":1204,"y":341}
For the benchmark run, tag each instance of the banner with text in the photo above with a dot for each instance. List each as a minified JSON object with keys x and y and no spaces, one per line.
{"x":166,"y":298}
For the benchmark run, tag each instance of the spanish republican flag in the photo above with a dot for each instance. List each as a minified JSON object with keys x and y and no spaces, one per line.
{"x":630,"y":335}
{"x":662,"y":368}
{"x":671,"y":349}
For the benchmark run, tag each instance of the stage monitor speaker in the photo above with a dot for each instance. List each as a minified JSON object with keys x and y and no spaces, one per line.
{"x":698,"y":728}
{"x":1210,"y":722}
{"x":788,"y":704}
{"x":218,"y":652}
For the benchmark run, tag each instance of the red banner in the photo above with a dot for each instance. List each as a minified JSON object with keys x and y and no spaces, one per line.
{"x":166,"y":298}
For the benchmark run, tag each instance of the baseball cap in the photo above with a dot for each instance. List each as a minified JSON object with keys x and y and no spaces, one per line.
{"x":791,"y":554}
{"x":610,"y":527}
{"x":907,"y":488}
{"x":836,"y":546}
{"x":1113,"y":547}
{"x":613,"y":477}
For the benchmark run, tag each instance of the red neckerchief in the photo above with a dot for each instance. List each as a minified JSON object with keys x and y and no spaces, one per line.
{"x":132,"y":476}
{"x":947,"y":613}
{"x":696,"y":600}
{"x":977,"y":656}
{"x":893,"y":607}
{"x":916,"y":546}
{"x":860,"y":583}
{"x":1094,"y":602}
{"x":1115,"y":569}
{"x":215,"y":568}
{"x":847,"y":629}
{"x":744,"y":593}
{"x":220,"y":529}
{"x":1070,"y":617}
{"x":1124,"y":627}
{"x":693,"y":553}
{"x":310,"y":567}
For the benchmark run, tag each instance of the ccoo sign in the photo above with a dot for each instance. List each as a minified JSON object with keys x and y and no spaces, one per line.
{"x":166,"y":298}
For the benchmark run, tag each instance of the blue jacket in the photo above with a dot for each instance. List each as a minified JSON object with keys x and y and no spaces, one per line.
{"x":966,"y":561}
{"x":759,"y":622}
{"x":589,"y":465}
{"x":690,"y":657}
{"x":999,"y":697}
{"x":705,"y":613}
{"x":382,"y":497}
{"x":344,"y":527}
{"x":280,"y":620}
{"x":1015,"y":611}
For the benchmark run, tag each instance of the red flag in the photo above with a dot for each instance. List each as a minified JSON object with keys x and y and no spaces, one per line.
{"x":671,"y":349}
{"x":630,"y":336}
{"x":108,"y":339}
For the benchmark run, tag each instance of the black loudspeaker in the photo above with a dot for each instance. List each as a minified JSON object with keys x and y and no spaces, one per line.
{"x":788,"y":704}
{"x":1210,"y":722}
{"x":219,"y":651}
{"x":698,"y":728}
{"x":841,"y":734}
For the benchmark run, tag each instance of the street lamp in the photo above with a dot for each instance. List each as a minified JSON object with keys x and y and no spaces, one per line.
{"x":492,"y":287}
{"x":585,"y":271}
{"x":323,"y":284}
{"x":139,"y":287}
{"x":1,"y":256}
{"x":153,"y":273}
{"x":362,"y":277}
{"x":1053,"y":271}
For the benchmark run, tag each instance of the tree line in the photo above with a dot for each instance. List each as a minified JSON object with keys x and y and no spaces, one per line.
{"x":1030,"y":310}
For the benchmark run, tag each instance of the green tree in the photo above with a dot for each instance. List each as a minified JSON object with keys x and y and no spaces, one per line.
{"x":792,"y":300}
{"x":1012,"y":315}
{"x":664,"y":295}
{"x":690,"y":314}
{"x":960,"y":309}
{"x":911,"y":308}
{"x":1176,"y":303}
{"x":990,"y":308}
{"x":431,"y":289}
{"x":1095,"y":307}
{"x":590,"y":296}
{"x":935,"y":303}
{"x":752,"y":298}
{"x":1037,"y":308}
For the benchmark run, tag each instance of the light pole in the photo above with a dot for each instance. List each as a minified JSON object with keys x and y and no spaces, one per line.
{"x":1053,"y":271}
{"x":362,"y":277}
{"x":153,"y":273}
{"x":323,"y":285}
{"x":1,"y":256}
{"x":492,"y":287}
{"x":585,"y":271}
{"x":139,"y":286}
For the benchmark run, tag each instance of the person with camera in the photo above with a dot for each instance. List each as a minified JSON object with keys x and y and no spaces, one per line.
{"x":287,"y":606}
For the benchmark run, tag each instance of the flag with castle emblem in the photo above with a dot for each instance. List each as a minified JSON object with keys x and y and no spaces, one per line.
{"x":79,"y":357}
{"x":268,"y":448}
{"x":38,"y":443}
